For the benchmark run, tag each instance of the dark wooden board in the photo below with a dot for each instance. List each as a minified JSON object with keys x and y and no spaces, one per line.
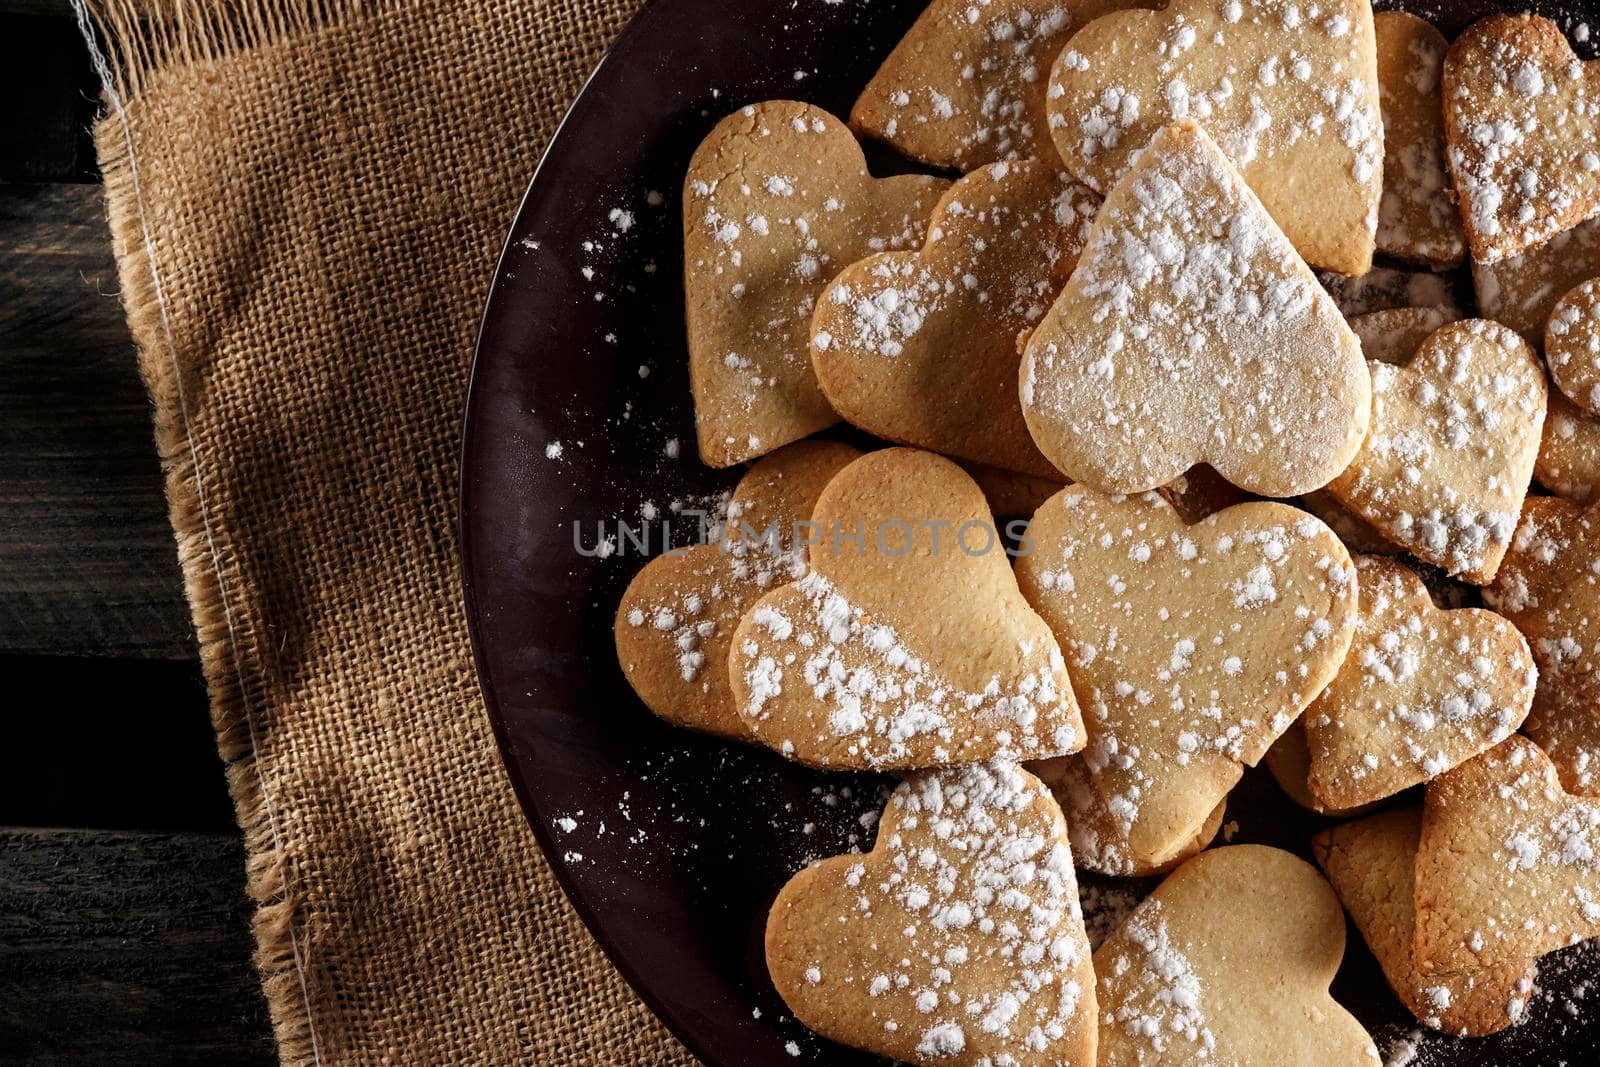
{"x":126,"y":949}
{"x":44,"y":68}
{"x":115,"y":947}
{"x":119,"y":744}
{"x":87,"y":562}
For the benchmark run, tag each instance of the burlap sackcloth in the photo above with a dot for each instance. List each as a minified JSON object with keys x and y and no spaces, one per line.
{"x":307,"y":200}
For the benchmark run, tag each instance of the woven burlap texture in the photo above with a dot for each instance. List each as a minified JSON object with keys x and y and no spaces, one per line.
{"x":306,"y":203}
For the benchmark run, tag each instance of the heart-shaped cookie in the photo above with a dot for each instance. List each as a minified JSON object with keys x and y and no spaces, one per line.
{"x":957,"y":940}
{"x":1519,"y":291}
{"x":908,"y":644}
{"x":965,"y":86}
{"x":1455,"y":433}
{"x":1371,"y":864}
{"x":921,"y":347}
{"x":1509,"y":865}
{"x":1556,"y":542}
{"x":1291,"y":96}
{"x":676,"y":619}
{"x":1097,"y":837}
{"x":1572,"y":345}
{"x":1417,"y":219}
{"x":1191,"y":647}
{"x":1520,"y":114}
{"x":1191,"y":332}
{"x":1566,"y":715}
{"x":1394,"y":334}
{"x":1421,"y":691}
{"x":777,"y":199}
{"x":1569,"y":451}
{"x":1228,"y":962}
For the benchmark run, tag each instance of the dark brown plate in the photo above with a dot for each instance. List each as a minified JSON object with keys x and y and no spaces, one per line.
{"x":679,"y":843}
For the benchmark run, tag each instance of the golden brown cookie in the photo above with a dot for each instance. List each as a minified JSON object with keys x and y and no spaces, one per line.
{"x":1291,"y":97}
{"x":1572,"y":345}
{"x":1421,"y":691}
{"x":1228,"y":962}
{"x":1520,"y":114}
{"x":676,"y":619}
{"x":921,"y":347}
{"x":1520,"y":290}
{"x":1191,"y":332}
{"x":1556,"y":542}
{"x":1565,"y":634}
{"x":965,"y":86}
{"x":1191,"y":647}
{"x":1417,"y":218}
{"x":1506,"y":869}
{"x":1394,"y":335}
{"x":1569,"y":451}
{"x":1455,"y":433}
{"x":777,"y":199}
{"x":908,"y":643}
{"x":1098,"y":841}
{"x":1289,"y":760}
{"x":1370,"y":863}
{"x":957,"y":940}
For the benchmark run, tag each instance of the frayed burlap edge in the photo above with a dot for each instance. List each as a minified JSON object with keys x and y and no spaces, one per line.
{"x":131,"y":43}
{"x":139,"y":38}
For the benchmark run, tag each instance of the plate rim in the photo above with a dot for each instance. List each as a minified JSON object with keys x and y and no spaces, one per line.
{"x":466,"y":544}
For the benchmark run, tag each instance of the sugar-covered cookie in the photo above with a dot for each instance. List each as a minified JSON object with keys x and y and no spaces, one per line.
{"x":908,"y":643}
{"x":1290,"y":94}
{"x":1520,"y":290}
{"x":1099,"y":842}
{"x":1228,"y":962}
{"x":1421,"y":691}
{"x":676,"y":619}
{"x":1565,"y":634}
{"x":1394,"y":334}
{"x":777,"y":199}
{"x":1569,"y":451}
{"x":1191,"y":647}
{"x":1556,"y":542}
{"x":1191,"y":332}
{"x":965,"y":86}
{"x":1370,"y":862}
{"x":1455,"y":433}
{"x":920,"y":347}
{"x":1572,"y":345}
{"x":1417,"y":219}
{"x":1520,"y":114}
{"x":958,"y":940}
{"x":1506,"y":867}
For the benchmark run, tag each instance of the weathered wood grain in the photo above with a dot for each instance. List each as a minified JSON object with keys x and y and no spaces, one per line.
{"x":87,"y":562}
{"x":126,"y":949}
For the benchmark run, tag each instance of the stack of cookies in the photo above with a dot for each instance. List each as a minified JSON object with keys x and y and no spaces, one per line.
{"x":1268,"y":501}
